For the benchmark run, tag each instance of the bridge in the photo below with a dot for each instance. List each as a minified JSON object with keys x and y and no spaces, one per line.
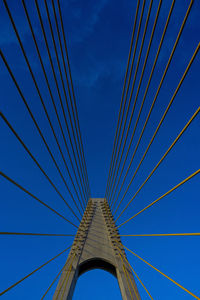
{"x":98,"y":230}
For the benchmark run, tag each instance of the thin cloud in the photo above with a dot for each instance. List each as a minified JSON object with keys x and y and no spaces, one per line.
{"x":81,"y":19}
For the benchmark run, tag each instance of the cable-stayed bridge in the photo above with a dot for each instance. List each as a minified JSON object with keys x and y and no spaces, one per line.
{"x":97,"y":236}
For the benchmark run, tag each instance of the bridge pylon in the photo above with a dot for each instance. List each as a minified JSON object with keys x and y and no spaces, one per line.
{"x":97,"y":245}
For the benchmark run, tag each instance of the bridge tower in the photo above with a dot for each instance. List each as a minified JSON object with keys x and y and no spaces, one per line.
{"x":97,"y":245}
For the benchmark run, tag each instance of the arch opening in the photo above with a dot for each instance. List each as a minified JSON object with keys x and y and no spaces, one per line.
{"x":96,"y":263}
{"x":96,"y":284}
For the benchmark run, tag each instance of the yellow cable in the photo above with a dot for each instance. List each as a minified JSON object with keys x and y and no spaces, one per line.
{"x":163,"y":234}
{"x":138,"y":89}
{"x":162,"y":119}
{"x":131,"y":282}
{"x":130,"y":97}
{"x":46,"y":263}
{"x":168,"y":150}
{"x":65,"y":277}
{"x":176,"y":283}
{"x":35,"y":234}
{"x":125,"y":98}
{"x":125,"y":273}
{"x":34,"y":197}
{"x":127,"y":68}
{"x":135,"y":273}
{"x":167,"y":193}
{"x":70,"y":267}
{"x":53,"y":282}
{"x":153,"y":103}
{"x":128,"y":275}
{"x":73,"y":93}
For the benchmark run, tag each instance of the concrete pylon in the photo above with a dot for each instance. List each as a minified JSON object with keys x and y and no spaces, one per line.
{"x":96,"y":245}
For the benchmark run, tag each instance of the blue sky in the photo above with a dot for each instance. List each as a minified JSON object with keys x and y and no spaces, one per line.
{"x":98,"y":36}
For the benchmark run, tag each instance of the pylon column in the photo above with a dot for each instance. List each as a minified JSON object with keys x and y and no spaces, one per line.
{"x":97,"y":245}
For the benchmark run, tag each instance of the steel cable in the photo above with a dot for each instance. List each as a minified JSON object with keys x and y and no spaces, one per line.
{"x":64,"y":90}
{"x":73,"y":93}
{"x":36,"y":162}
{"x":138,"y":89}
{"x":127,"y":89}
{"x":153,"y":103}
{"x":121,"y":102}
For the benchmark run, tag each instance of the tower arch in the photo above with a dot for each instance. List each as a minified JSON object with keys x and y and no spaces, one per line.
{"x":97,"y":245}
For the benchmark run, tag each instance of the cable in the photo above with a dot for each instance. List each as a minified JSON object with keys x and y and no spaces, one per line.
{"x":66,"y":278}
{"x":68,"y":275}
{"x":138,"y":89}
{"x":130,"y":73}
{"x":68,"y":86}
{"x":50,"y":92}
{"x":125,"y":273}
{"x":36,"y":198}
{"x":167,"y":193}
{"x":143,"y":100}
{"x":168,"y":150}
{"x":130,"y":97}
{"x":35,"y":234}
{"x":69,"y":92}
{"x":160,"y":84}
{"x":55,"y":280}
{"x":52,"y":283}
{"x":54,"y":75}
{"x":41,"y":100}
{"x":63,"y":86}
{"x":176,"y":283}
{"x":135,"y":273}
{"x":162,"y":119}
{"x":74,"y":100}
{"x":124,"y":85}
{"x":162,"y":234}
{"x":36,"y":162}
{"x":16,"y":283}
